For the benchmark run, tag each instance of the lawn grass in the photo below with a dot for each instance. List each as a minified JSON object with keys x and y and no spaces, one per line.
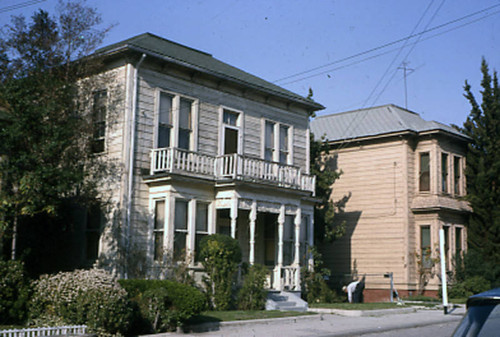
{"x":240,"y":315}
{"x":356,"y":306}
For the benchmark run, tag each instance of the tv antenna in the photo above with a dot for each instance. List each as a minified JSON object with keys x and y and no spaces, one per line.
{"x":406,"y":71}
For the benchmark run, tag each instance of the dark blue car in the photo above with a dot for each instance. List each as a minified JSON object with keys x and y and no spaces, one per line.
{"x":483,"y":316}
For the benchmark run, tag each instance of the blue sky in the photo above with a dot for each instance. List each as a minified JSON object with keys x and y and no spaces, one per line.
{"x":275,"y":39}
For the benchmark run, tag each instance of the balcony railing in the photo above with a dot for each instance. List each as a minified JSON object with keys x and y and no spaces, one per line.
{"x":231,"y":166}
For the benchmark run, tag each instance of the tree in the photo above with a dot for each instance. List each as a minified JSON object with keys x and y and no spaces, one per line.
{"x":483,"y":170}
{"x":45,"y":142}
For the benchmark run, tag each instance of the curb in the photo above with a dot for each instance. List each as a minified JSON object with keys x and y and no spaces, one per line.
{"x":363,"y":313}
{"x":213,"y":326}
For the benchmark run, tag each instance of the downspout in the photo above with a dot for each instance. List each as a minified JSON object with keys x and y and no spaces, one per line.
{"x":130,"y":179}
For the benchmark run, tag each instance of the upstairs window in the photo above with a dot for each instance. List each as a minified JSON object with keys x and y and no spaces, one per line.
{"x":99,"y":107}
{"x":424,"y":175}
{"x":185,"y":124}
{"x":175,"y":123}
{"x":457,"y":175}
{"x":284,"y":144}
{"x":231,"y":131}
{"x":444,"y":173}
{"x":269,"y":141}
{"x":165,"y":120}
{"x":277,"y":142}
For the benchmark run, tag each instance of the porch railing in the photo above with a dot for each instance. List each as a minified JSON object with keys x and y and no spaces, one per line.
{"x":179,"y":160}
{"x":232,"y":166}
{"x":290,"y":277}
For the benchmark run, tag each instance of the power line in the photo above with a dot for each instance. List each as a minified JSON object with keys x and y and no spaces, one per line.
{"x":20,"y":5}
{"x":381,"y":46}
{"x":363,"y":115}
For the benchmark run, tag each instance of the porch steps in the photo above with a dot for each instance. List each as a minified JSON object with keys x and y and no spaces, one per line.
{"x":285,"y":301}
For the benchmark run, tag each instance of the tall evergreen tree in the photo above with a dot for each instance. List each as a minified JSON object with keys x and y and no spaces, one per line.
{"x":483,"y":170}
{"x":44,"y":140}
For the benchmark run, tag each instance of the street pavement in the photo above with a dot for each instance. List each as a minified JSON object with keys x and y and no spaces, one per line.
{"x":393,"y":322}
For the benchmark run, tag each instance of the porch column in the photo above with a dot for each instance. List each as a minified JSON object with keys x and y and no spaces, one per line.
{"x":296,"y":259}
{"x":278,"y":284}
{"x":191,"y":225}
{"x":297,"y":222}
{"x":281,"y":222}
{"x":252,"y":218}
{"x":311,"y":239}
{"x":233,"y":214}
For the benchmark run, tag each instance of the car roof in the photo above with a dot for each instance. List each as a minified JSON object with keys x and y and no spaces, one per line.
{"x":490,"y":296}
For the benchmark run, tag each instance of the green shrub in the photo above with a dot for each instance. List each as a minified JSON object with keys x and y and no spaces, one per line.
{"x":470,"y":286}
{"x":90,"y":297}
{"x":14,"y":292}
{"x":252,"y":295}
{"x":163,"y":304}
{"x":220,"y":255}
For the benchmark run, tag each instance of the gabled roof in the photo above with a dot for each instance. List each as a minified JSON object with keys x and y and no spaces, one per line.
{"x":376,"y":121}
{"x":170,"y":51}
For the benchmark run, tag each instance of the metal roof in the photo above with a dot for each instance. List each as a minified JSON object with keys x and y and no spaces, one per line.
{"x":376,"y":121}
{"x":176,"y":53}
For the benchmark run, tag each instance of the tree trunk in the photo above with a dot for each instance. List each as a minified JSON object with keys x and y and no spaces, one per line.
{"x":14,"y":239}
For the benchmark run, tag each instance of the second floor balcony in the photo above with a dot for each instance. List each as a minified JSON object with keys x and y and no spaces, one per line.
{"x":230,"y":167}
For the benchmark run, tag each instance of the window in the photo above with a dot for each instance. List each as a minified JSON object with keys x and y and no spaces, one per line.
{"x":223,"y":222}
{"x":165,"y":120}
{"x":284,"y":144}
{"x":201,"y":225}
{"x":231,"y":131}
{"x":158,"y":229}
{"x":424,"y":176}
{"x":444,"y":173}
{"x":175,"y":121}
{"x":180,"y":228}
{"x":288,"y":240}
{"x":458,"y":241}
{"x":277,"y":142}
{"x":425,"y":247}
{"x":95,"y":220}
{"x":99,"y":121}
{"x":269,"y":141}
{"x":457,"y":176}
{"x":185,"y":124}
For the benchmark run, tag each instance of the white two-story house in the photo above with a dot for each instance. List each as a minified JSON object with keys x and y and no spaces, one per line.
{"x":202,"y":147}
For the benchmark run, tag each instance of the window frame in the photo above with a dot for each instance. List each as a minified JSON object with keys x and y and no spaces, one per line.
{"x":276,"y":149}
{"x":421,"y":172}
{"x":445,"y":173}
{"x":176,"y":254}
{"x":159,"y":231}
{"x":425,"y":251}
{"x":238,"y":127}
{"x":99,"y":115}
{"x":175,"y":129}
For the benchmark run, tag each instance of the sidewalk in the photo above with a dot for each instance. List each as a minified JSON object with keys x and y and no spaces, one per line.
{"x":329,"y":324}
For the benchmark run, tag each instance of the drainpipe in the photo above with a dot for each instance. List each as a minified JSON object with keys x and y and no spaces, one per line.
{"x":131,"y":160}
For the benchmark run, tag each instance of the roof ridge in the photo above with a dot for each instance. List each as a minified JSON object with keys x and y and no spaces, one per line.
{"x":333,"y":114}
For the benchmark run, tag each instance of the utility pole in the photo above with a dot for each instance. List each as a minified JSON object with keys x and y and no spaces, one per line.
{"x":406,"y":71}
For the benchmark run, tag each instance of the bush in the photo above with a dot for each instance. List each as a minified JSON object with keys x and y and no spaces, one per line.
{"x":220,"y":255}
{"x":163,"y":304}
{"x":252,"y":295}
{"x":470,"y":286}
{"x":14,"y":292}
{"x":90,"y":297}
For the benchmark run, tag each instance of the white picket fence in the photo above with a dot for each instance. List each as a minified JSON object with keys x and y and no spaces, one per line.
{"x":49,"y":331}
